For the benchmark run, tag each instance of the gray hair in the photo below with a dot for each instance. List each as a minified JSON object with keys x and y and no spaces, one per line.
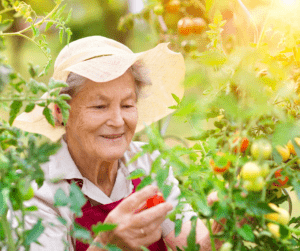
{"x":140,"y":74}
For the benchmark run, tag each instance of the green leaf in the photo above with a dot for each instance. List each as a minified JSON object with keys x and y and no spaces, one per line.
{"x":284,"y":232}
{"x":6,"y":24}
{"x":284,"y":131}
{"x":145,"y":182}
{"x":144,"y":248}
{"x":161,"y":176}
{"x":53,"y":84}
{"x":296,"y":185}
{"x":15,"y":108}
{"x":3,"y":204}
{"x":60,"y":198}
{"x":100,"y":227}
{"x":191,"y":239}
{"x":49,"y":116}
{"x":166,"y":190}
{"x":33,"y":234}
{"x":62,"y":221}
{"x":178,"y":225}
{"x":69,"y":16}
{"x":36,"y":31}
{"x":246,"y":233}
{"x":48,"y":25}
{"x":212,"y":58}
{"x":218,"y":17}
{"x":77,"y":199}
{"x":29,"y":107}
{"x":31,"y":209}
{"x":69,"y":33}
{"x":176,"y":98}
{"x":136,"y":174}
{"x":208,"y":5}
{"x":81,"y":233}
{"x":60,"y":11}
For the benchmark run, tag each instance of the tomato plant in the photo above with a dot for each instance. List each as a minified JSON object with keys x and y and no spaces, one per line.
{"x":245,"y":84}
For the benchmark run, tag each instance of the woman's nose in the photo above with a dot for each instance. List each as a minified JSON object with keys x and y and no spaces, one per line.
{"x":115,"y":118}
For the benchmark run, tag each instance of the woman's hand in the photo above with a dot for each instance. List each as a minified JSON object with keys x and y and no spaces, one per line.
{"x":136,"y":229}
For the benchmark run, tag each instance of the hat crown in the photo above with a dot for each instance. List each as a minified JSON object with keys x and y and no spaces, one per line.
{"x":89,"y":46}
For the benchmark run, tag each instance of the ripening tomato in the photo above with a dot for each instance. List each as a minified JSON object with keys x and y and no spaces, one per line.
{"x":284,"y":152}
{"x":274,"y":229}
{"x":173,"y":6}
{"x":219,"y":169}
{"x":280,"y":182}
{"x":261,"y":149}
{"x":281,"y":216}
{"x":185,"y":26}
{"x":291,"y":147}
{"x":199,"y":25}
{"x":243,"y":144}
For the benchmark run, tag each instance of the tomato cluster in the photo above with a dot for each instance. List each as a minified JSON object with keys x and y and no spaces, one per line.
{"x":189,"y":25}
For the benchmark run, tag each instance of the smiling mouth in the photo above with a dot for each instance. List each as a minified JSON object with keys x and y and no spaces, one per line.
{"x":113,"y":136}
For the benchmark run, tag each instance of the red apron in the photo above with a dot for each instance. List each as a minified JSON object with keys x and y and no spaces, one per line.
{"x":93,"y":214}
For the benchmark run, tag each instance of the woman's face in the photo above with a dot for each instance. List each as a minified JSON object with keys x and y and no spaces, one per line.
{"x":103,"y":118}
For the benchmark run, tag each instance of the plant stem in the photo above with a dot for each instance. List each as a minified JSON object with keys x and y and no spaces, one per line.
{"x":211,"y":235}
{"x":8,"y":232}
{"x":35,"y":25}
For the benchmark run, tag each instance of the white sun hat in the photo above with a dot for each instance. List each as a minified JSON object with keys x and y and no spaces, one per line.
{"x":101,"y":59}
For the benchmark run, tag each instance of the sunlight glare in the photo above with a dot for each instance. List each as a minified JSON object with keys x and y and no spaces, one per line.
{"x":288,"y":2}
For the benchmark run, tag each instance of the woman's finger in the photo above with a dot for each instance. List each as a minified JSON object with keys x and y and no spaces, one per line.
{"x":154,"y":214}
{"x":131,"y":203}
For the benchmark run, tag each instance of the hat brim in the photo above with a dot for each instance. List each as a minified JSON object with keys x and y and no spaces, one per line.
{"x":166,"y":70}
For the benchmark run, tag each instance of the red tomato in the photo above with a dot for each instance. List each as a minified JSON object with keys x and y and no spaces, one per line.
{"x":199,"y":25}
{"x":152,"y":201}
{"x":185,"y":26}
{"x":155,"y":200}
{"x":173,"y":6}
{"x":280,"y":182}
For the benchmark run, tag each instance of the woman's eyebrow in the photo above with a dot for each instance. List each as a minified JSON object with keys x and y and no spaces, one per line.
{"x":131,"y":95}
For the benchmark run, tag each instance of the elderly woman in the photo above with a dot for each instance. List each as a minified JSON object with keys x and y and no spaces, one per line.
{"x":114,"y":91}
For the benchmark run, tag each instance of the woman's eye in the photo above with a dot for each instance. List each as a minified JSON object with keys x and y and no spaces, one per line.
{"x":100,"y":106}
{"x":127,"y":106}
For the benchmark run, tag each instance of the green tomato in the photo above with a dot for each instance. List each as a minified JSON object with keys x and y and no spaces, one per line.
{"x":261,"y":149}
{"x":227,"y":246}
{"x":264,"y":170}
{"x":254,"y":186}
{"x":250,"y":171}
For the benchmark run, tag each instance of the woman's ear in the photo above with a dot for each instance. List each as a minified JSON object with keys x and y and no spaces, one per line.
{"x":58,"y":115}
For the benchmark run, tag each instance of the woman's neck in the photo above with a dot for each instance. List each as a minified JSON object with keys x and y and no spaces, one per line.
{"x":102,"y":173}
